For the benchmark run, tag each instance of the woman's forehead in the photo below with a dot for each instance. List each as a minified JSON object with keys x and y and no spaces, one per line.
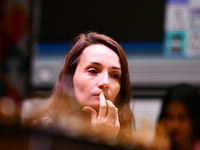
{"x":99,"y":53}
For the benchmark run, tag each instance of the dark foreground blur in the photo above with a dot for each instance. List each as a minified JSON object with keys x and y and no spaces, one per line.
{"x":14,"y":136}
{"x":23,"y":139}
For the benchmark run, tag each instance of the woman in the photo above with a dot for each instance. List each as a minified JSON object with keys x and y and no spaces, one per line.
{"x":180,"y":117}
{"x":93,"y":83}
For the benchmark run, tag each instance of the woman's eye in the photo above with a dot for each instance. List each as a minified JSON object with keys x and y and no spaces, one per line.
{"x":92,"y":71}
{"x":116,"y":76}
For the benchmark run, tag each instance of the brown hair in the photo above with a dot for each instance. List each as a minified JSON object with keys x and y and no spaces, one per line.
{"x":64,"y":83}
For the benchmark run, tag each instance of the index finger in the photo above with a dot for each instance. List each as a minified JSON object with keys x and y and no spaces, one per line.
{"x":103,"y":106}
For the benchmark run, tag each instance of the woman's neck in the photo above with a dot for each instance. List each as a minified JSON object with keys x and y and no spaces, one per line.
{"x":184,"y":145}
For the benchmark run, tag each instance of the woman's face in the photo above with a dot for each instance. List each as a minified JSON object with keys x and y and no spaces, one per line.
{"x":98,"y":71}
{"x":178,"y":122}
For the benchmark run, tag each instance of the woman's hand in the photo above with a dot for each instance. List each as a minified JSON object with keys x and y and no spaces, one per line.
{"x":105,"y":124}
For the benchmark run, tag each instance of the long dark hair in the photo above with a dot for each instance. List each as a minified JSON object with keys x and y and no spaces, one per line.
{"x":64,"y":84}
{"x":188,"y":95}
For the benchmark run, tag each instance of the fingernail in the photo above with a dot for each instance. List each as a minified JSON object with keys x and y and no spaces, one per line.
{"x":102,"y":94}
{"x":84,"y":109}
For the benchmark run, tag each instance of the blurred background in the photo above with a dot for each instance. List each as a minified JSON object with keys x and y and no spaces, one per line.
{"x":161,"y":39}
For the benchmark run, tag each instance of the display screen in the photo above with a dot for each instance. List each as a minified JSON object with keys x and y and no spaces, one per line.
{"x":142,"y":28}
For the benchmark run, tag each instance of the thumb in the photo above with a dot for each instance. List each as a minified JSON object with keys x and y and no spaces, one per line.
{"x":93,"y":113}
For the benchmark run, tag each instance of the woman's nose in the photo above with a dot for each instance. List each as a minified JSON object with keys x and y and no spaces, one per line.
{"x":104,"y":81}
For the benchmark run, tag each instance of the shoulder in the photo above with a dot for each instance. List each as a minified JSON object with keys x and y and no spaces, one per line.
{"x":46,"y":121}
{"x":197,"y":144}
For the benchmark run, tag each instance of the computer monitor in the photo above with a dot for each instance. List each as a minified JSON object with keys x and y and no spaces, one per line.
{"x":157,"y":55}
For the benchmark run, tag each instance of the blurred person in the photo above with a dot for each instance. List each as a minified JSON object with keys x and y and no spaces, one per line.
{"x":179,"y":124}
{"x":9,"y":113}
{"x":93,"y":92}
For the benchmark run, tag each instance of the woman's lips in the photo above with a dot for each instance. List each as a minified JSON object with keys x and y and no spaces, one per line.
{"x":96,"y":96}
{"x":175,"y":134}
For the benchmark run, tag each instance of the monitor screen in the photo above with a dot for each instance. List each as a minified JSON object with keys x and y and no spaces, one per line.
{"x":157,"y":54}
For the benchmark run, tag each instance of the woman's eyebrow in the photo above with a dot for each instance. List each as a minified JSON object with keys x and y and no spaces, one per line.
{"x":116,"y":68}
{"x":95,"y":63}
{"x":99,"y":64}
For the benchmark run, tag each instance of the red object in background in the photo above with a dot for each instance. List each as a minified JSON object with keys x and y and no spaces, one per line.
{"x":14,"y":24}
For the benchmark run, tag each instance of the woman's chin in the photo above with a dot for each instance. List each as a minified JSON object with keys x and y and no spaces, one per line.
{"x":176,"y":138}
{"x":94,"y":105}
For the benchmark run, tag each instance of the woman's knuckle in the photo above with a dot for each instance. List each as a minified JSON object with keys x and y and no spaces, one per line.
{"x":103,"y":107}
